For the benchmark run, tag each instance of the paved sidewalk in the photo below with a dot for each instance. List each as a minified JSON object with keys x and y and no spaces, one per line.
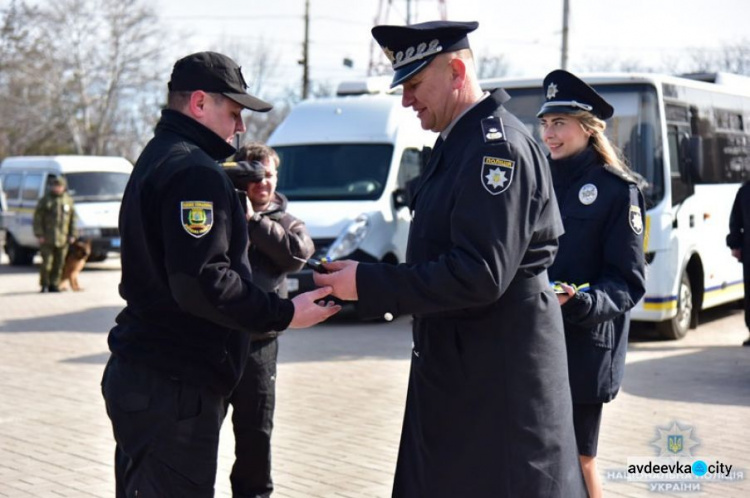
{"x":341,"y":389}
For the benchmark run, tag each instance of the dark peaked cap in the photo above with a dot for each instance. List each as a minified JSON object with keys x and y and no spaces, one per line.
{"x":411,"y":48}
{"x":214,"y":73}
{"x":566,"y":94}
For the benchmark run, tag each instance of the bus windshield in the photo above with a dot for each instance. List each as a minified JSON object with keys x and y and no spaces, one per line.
{"x":634,"y":129}
{"x":97,"y":186}
{"x":333,"y":171}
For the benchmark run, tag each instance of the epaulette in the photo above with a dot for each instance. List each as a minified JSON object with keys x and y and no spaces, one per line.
{"x":628,"y":176}
{"x":493,"y":130}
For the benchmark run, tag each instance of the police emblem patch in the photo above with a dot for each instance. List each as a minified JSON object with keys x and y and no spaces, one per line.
{"x":588,"y":194}
{"x":197,"y":217}
{"x":497,"y":174}
{"x":636,"y":219}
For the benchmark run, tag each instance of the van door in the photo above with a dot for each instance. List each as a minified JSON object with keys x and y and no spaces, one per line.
{"x":409,"y":168}
{"x":32,"y":189}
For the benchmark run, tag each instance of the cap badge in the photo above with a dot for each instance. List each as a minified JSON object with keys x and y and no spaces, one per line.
{"x":411,"y":54}
{"x":588,"y":193}
{"x":497,"y":174}
{"x":551,"y":91}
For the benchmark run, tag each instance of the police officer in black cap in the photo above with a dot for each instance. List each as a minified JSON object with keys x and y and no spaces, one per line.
{"x":600,"y":264}
{"x":180,"y":344}
{"x":488,"y":410}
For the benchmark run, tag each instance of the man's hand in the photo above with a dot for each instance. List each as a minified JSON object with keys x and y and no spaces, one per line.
{"x":307,"y":312}
{"x":737,"y":253}
{"x":342,"y":277}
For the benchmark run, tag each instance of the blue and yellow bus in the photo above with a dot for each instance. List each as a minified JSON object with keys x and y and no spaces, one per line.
{"x":689,"y":138}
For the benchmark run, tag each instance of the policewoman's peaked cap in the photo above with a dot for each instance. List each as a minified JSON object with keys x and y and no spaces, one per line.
{"x":411,"y":48}
{"x":565,"y":93}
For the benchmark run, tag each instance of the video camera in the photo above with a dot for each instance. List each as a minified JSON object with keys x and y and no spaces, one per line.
{"x":243,"y":173}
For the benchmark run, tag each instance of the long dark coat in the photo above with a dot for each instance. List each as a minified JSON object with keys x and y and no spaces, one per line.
{"x":488,"y":411}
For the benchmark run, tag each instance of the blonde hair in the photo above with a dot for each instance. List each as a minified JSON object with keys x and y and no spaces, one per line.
{"x":607,"y":152}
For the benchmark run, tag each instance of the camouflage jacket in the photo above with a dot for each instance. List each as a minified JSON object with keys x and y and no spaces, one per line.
{"x":54,"y":219}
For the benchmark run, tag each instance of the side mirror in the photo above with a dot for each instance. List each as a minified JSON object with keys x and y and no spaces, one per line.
{"x":424,"y":158}
{"x":400,"y":198}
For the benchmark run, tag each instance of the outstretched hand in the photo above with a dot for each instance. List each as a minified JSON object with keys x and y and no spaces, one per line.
{"x":342,"y":278}
{"x":569,"y":292}
{"x":308,"y":310}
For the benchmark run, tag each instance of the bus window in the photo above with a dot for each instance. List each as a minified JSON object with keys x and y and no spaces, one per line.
{"x":680,"y":189}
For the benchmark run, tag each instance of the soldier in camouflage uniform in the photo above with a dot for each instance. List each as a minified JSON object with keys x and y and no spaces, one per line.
{"x":54,"y":226}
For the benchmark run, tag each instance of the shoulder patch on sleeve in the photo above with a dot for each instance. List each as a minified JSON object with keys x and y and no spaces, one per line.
{"x":493,"y":130}
{"x":635,"y":217}
{"x":197,"y":217}
{"x":496,"y":174}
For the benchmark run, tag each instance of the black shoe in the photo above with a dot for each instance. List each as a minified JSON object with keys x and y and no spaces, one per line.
{"x":747,"y":342}
{"x":54,"y":288}
{"x":44,"y":289}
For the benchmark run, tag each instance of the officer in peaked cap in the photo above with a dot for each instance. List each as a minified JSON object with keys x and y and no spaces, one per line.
{"x":488,"y":410}
{"x":411,"y":48}
{"x":602,"y":210}
{"x":565,"y":93}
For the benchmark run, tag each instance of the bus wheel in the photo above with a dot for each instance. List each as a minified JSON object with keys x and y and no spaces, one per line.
{"x":678,"y":327}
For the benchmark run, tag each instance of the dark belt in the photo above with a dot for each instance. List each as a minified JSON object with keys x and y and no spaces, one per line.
{"x":520,"y":287}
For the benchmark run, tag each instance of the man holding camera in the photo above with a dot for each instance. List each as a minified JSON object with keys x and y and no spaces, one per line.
{"x":279,"y":244}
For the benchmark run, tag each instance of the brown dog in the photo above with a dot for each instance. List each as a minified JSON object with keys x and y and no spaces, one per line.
{"x":78,"y":252}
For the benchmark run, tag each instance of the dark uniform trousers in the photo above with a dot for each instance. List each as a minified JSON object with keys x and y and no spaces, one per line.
{"x":253,"y":403}
{"x":156,"y":416}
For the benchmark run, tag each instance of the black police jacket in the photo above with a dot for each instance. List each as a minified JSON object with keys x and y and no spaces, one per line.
{"x":488,"y":409}
{"x":602,"y":210}
{"x":186,"y":280}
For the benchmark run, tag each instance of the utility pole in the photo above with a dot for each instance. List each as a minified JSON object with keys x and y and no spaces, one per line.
{"x":564,"y":54}
{"x":408,"y":12}
{"x":305,"y":44}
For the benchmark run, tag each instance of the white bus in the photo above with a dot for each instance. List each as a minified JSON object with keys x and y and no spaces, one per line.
{"x":689,"y":137}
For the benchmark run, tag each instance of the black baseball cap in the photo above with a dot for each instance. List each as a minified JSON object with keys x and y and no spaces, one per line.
{"x":215,"y":73}
{"x":411,"y":48}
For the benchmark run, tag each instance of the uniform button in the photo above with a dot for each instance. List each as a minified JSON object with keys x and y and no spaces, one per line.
{"x":388,"y":317}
